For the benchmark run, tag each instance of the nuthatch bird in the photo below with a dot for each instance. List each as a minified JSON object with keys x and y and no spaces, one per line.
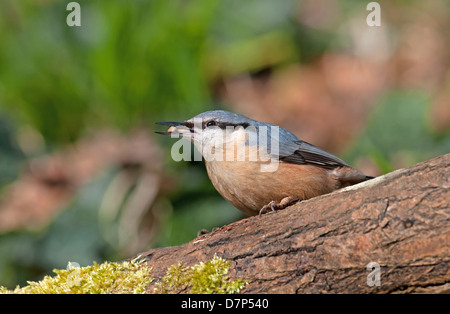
{"x":258,"y":166}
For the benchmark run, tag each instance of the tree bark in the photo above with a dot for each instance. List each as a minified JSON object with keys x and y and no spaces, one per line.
{"x":400,"y":221}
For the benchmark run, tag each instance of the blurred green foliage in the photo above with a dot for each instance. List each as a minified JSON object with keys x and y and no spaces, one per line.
{"x":133,"y":63}
{"x":129,"y":62}
{"x":10,"y":155}
{"x":399,"y":129}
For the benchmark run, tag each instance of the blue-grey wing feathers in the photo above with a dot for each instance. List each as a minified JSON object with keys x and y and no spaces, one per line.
{"x":301,"y":153}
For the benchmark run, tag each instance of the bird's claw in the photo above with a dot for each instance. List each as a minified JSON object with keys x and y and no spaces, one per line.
{"x":273,"y":206}
{"x":205,"y":231}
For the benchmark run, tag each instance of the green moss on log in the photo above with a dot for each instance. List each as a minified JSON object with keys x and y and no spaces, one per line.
{"x":209,"y":277}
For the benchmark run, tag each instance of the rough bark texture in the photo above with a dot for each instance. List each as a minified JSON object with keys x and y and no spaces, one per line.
{"x":323,"y":245}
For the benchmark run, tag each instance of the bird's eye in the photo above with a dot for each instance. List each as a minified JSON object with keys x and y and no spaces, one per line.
{"x":210,"y":123}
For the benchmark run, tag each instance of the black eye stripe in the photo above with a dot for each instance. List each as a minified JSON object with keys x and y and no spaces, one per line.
{"x":189,"y":124}
{"x":224,"y":125}
{"x":221,"y":125}
{"x":235,"y":125}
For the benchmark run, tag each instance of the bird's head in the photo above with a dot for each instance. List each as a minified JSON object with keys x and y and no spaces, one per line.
{"x":213,"y":129}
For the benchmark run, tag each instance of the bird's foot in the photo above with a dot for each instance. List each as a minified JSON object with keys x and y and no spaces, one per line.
{"x":204,"y":231}
{"x":273,"y":206}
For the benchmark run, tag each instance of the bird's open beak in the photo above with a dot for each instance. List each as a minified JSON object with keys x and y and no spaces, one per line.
{"x":176,"y":129}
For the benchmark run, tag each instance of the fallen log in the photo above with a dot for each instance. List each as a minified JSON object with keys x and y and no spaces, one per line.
{"x":387,"y":235}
